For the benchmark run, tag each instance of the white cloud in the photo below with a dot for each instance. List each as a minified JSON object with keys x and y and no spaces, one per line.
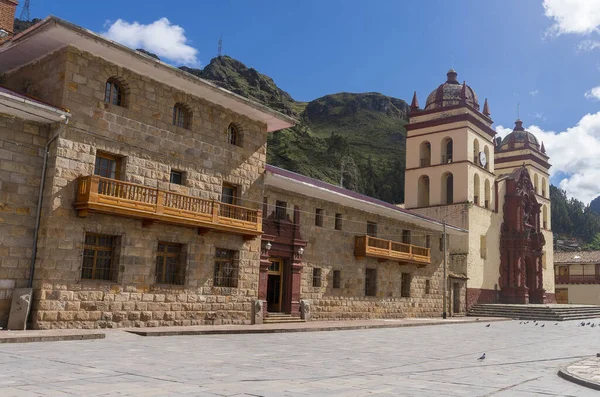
{"x":573,"y":16}
{"x":588,"y":45}
{"x":166,"y":40}
{"x":573,"y":152}
{"x":594,"y":93}
{"x":534,"y":92}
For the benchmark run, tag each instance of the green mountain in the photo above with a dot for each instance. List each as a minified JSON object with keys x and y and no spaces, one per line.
{"x":361,"y":136}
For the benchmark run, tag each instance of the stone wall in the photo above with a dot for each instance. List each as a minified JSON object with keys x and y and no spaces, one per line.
{"x":21,"y":157}
{"x":329,"y":249}
{"x":142,"y":134}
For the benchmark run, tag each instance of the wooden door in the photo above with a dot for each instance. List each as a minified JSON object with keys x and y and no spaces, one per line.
{"x":562,"y":295}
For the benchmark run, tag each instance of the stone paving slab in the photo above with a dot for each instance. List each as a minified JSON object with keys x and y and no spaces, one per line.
{"x":585,"y":372}
{"x":49,"y":335}
{"x":309,"y":326}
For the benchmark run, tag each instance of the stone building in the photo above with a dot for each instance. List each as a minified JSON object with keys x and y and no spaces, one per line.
{"x":456,"y":171}
{"x":153,"y":194}
{"x":577,"y":277}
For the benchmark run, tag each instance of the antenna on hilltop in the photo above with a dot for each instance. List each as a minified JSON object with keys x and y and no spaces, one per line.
{"x":220,"y":49}
{"x":25,"y":12}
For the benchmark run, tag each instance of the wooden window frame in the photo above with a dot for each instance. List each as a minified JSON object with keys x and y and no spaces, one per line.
{"x":406,"y":236}
{"x":280,"y":209}
{"x":317,"y":274}
{"x":337,"y":279}
{"x":233,"y":135}
{"x":338,"y":221}
{"x":427,"y":287}
{"x":162,"y":275}
{"x":371,"y":229}
{"x":181,"y":177}
{"x":226,"y":261}
{"x":370,"y":282}
{"x":113,"y":92}
{"x":319,"y":215}
{"x":117,"y":160}
{"x":91,"y":250}
{"x":234,"y":196}
{"x":182,"y":117}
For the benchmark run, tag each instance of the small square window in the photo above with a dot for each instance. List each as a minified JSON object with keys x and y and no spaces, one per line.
{"x":337,"y":278}
{"x":338,"y":221}
{"x":427,"y":287}
{"x":316,"y":279}
{"x":319,"y":217}
{"x":176,"y":177}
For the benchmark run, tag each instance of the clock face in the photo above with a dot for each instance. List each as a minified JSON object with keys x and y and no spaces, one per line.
{"x":482,"y":158}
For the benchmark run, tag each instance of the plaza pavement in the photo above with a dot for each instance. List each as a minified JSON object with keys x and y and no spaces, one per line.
{"x":522,"y":360}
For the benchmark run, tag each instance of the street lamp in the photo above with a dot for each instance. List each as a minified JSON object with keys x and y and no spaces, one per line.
{"x":3,"y":33}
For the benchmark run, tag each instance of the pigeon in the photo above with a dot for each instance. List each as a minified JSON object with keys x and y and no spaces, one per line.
{"x":488,"y":325}
{"x":588,"y":323}
{"x":482,"y":357}
{"x":521,"y":322}
{"x":555,"y":323}
{"x":593,"y":325}
{"x":543,"y":325}
{"x":477,"y":319}
{"x":536,"y":324}
{"x":583,"y":323}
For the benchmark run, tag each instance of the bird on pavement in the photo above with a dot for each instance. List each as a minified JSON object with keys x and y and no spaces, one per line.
{"x":521,"y":322}
{"x":536,"y":324}
{"x":488,"y":325}
{"x":583,"y":323}
{"x":482,"y":357}
{"x":588,"y":323}
{"x":593,"y":325}
{"x":555,"y":323}
{"x":543,"y":325}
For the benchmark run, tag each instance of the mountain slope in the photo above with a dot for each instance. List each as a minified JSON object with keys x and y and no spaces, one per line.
{"x":359,"y":135}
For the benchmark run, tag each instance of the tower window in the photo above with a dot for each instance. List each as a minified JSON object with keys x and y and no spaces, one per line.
{"x":425,"y":152}
{"x":447,"y":148}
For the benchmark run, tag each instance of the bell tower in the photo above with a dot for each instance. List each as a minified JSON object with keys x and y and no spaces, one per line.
{"x":449,"y":149}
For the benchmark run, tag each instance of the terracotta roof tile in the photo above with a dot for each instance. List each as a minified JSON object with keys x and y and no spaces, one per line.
{"x":569,"y":257}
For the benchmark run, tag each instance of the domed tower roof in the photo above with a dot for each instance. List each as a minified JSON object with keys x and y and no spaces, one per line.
{"x":518,"y":139}
{"x":452,"y":93}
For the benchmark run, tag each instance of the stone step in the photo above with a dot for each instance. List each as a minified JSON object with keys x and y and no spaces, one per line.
{"x":536,"y":312}
{"x":284,"y":320}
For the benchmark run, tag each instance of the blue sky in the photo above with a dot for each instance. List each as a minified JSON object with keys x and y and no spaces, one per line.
{"x":510,"y":51}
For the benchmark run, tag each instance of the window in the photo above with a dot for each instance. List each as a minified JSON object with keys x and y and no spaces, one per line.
{"x":428,"y":241}
{"x":447,"y":151}
{"x":427,"y":287}
{"x":483,"y":247}
{"x":370,"y":282}
{"x":229,"y":194}
{"x":448,"y":188}
{"x":99,"y":259}
{"x":319,"y":217}
{"x":280,"y":209}
{"x":406,"y":236}
{"x":337,"y":278}
{"x":233,"y":135}
{"x":226,"y":268}
{"x":181,"y":116}
{"x":113,"y":93}
{"x":372,"y":229}
{"x":425,"y":150}
{"x":405,"y":285}
{"x":423,"y":191}
{"x":176,"y":177}
{"x":338,"y":221}
{"x":316,"y":277}
{"x":107,"y":165}
{"x":170,"y":267}
{"x":476,"y":189}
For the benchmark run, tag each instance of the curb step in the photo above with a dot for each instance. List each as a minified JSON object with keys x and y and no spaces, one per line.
{"x":281,"y":318}
{"x":536,"y":312}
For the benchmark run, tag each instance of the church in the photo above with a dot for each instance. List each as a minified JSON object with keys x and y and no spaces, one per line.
{"x":458,"y":172}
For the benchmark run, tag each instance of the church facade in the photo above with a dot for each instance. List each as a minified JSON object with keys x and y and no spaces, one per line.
{"x":457,"y":171}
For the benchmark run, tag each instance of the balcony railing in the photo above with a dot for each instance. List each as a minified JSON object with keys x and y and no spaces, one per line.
{"x":446,"y":158}
{"x":111,"y":196}
{"x":577,"y":279}
{"x":386,"y":249}
{"x":426,"y":162}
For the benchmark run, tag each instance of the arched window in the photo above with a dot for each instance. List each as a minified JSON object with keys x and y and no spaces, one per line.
{"x":233,"y":135}
{"x":182,"y":116}
{"x":114,"y":92}
{"x":486,"y":150}
{"x":425,"y":152}
{"x":545,"y":217}
{"x":544,"y":187}
{"x":488,"y":194}
{"x":476,"y":190}
{"x":447,"y":188}
{"x":476,"y":151}
{"x":423,"y":191}
{"x":536,"y":185}
{"x":447,"y":151}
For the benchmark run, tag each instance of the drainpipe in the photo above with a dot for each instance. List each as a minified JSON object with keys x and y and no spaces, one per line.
{"x":38,"y":214}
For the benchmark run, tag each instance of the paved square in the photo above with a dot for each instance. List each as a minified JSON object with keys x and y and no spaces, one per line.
{"x":522,"y":360}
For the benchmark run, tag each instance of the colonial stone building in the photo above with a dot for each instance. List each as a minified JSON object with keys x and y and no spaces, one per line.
{"x":497,"y":189}
{"x":577,"y":277}
{"x":135,"y":194}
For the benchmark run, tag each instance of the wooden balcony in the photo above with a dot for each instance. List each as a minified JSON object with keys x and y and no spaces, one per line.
{"x":367,"y":246}
{"x":577,"y":279}
{"x":114,"y":197}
